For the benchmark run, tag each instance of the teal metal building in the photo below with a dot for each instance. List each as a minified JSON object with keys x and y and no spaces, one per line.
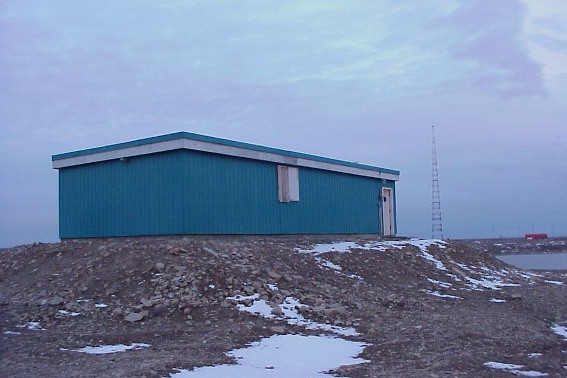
{"x":185,"y":183}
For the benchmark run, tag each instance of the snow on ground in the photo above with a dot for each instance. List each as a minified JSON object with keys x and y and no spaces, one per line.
{"x":12,"y":333}
{"x":341,"y":247}
{"x":68,"y":313}
{"x":337,"y":268}
{"x":529,"y":275}
{"x":290,"y":313}
{"x":443,"y":284}
{"x":284,"y":356}
{"x":380,"y":246}
{"x":553,"y":282}
{"x":108,"y":349}
{"x":428,"y":256}
{"x":462,"y":266}
{"x":328,"y":264}
{"x":488,"y":282}
{"x":560,"y":330}
{"x":489,"y":278}
{"x":441,"y":295}
{"x":535,"y":355}
{"x":34,"y":326}
{"x":514,"y":369}
{"x":494,"y":300}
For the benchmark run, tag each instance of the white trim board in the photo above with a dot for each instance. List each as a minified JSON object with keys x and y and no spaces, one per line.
{"x":196,"y":145}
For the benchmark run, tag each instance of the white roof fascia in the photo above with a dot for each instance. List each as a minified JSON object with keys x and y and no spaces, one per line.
{"x":197,"y":145}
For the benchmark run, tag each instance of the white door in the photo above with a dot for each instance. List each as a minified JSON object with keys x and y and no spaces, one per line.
{"x":387,"y":212}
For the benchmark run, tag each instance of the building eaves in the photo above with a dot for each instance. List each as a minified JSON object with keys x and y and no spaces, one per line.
{"x":191,"y":141}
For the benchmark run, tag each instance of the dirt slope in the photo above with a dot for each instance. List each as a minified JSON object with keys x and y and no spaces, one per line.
{"x":427,"y":309}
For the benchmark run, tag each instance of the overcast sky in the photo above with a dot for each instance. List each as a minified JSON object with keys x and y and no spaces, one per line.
{"x":354,"y":80}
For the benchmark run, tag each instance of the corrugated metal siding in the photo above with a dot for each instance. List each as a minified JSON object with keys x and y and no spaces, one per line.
{"x":333,"y":203}
{"x":228,"y":195}
{"x":190,"y":192}
{"x":138,"y":196}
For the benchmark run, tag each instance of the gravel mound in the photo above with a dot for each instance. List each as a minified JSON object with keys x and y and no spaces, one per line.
{"x":424,"y":307}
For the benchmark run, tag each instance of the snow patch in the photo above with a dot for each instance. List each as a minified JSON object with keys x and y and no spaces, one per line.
{"x":341,"y":247}
{"x":328,"y":264}
{"x":489,"y":279}
{"x":355,"y":276}
{"x":101,"y":305}
{"x":485,"y":278}
{"x":283,"y":356}
{"x":528,"y":276}
{"x":34,"y":326}
{"x":514,"y":369}
{"x":12,"y":333}
{"x":494,"y":300}
{"x":428,"y":256}
{"x":441,"y":295}
{"x":535,"y":355}
{"x":108,"y":349}
{"x":69,"y":313}
{"x":443,"y":284}
{"x":381,"y":246}
{"x":337,"y":268}
{"x":488,"y":282}
{"x":560,"y":330}
{"x":462,"y":266}
{"x":290,"y":313}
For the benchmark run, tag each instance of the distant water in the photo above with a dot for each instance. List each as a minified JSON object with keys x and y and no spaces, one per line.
{"x":544,"y":261}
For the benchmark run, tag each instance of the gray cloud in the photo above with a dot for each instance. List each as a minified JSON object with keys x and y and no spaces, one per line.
{"x":489,"y":36}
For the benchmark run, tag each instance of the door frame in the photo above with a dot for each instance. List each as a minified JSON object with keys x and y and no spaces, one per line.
{"x":388,"y":214}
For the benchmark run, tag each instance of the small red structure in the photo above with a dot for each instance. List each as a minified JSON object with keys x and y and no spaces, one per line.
{"x":535,"y":236}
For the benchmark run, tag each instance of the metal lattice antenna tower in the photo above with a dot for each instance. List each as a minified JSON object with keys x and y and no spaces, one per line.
{"x":437,"y":225}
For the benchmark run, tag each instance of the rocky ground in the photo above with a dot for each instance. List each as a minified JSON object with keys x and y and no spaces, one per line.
{"x":426,"y":309}
{"x":507,"y":246}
